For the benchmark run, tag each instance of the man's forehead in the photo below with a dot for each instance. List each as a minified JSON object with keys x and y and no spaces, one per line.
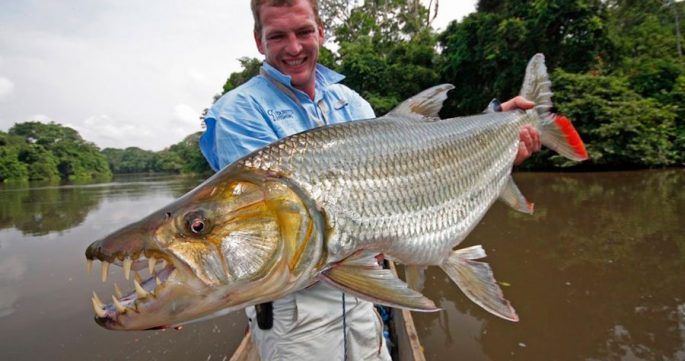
{"x":290,"y":17}
{"x":286,"y":6}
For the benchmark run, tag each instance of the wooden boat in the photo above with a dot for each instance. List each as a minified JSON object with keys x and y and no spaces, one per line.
{"x":402,"y":330}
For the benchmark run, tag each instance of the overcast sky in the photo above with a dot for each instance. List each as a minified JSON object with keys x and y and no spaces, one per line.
{"x":126,"y":72}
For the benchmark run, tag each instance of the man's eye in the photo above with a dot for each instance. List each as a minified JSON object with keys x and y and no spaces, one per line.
{"x":304,"y":33}
{"x":275,"y":37}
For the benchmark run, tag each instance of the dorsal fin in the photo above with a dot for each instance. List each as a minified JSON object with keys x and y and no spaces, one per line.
{"x":537,"y":87}
{"x":425,"y":104}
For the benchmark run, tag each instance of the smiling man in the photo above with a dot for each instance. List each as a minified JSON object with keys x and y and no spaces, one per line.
{"x":292,"y":94}
{"x":290,"y":41}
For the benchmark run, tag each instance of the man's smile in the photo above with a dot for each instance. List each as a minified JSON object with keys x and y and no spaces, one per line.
{"x":295,"y":62}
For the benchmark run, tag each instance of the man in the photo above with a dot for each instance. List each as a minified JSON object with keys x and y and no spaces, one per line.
{"x":292,"y":94}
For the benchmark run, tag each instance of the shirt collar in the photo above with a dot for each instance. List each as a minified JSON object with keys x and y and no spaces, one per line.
{"x":323,"y":77}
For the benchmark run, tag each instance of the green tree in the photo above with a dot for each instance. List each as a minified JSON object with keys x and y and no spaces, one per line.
{"x":11,"y":169}
{"x":75,"y":158}
{"x":189,"y":151}
{"x":136,"y":160}
{"x":45,"y":134}
{"x":677,"y":99}
{"x":41,"y":164}
{"x":387,"y":51}
{"x":643,"y":28}
{"x":114,"y":158}
{"x":485,"y":54}
{"x":130,"y":160}
{"x":167,"y":161}
{"x":621,"y":128}
{"x":250,"y":68}
{"x":81,"y":162}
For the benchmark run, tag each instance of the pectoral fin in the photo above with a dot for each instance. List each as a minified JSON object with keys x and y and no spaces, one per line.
{"x":367,"y":280}
{"x":512,"y":196}
{"x":475,"y":279}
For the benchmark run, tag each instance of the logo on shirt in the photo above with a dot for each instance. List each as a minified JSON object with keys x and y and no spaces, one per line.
{"x":278,"y":115}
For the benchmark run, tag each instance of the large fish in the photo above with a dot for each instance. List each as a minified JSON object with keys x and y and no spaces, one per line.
{"x":317,"y":206}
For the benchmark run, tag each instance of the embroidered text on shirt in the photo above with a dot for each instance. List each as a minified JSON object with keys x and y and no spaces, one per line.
{"x":277,"y":115}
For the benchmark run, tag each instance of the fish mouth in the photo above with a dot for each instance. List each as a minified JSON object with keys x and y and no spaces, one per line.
{"x":143,"y":292}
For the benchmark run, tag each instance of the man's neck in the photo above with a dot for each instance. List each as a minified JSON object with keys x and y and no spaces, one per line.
{"x":308,"y":89}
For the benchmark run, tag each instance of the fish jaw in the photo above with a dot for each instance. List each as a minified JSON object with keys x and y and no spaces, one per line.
{"x":240,"y":238}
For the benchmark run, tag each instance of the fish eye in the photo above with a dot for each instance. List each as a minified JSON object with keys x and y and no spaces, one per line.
{"x":196,"y":223}
{"x":197,"y":226}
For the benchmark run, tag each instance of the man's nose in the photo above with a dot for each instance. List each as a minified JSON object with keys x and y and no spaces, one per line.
{"x":294,"y":46}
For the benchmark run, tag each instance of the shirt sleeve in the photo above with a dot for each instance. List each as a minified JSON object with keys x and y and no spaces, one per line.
{"x":236,"y":126}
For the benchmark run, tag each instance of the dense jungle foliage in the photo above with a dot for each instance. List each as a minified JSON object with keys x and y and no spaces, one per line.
{"x":39,"y":151}
{"x":182,"y":157}
{"x":616,"y":66}
{"x":52,"y":152}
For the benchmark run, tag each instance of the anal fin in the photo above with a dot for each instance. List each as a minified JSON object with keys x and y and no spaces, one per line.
{"x":367,"y":280}
{"x":512,"y":196}
{"x":477,"y":282}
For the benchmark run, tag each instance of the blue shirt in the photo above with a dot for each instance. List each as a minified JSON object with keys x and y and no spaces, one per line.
{"x":259,"y":112}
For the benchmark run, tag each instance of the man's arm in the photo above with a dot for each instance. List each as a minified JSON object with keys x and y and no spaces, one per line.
{"x":529,"y":137}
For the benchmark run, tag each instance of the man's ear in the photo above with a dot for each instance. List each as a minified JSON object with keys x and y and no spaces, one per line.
{"x":258,"y":41}
{"x":321,"y":34}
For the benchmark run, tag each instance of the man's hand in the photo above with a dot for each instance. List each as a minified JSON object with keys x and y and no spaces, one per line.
{"x":529,"y":137}
{"x":518,"y":102}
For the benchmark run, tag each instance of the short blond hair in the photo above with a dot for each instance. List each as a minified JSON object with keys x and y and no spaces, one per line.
{"x":257,"y":4}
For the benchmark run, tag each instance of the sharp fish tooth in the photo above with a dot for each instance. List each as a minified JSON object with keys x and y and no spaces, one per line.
{"x":96,"y":299}
{"x":136,"y":276}
{"x":127,"y":266}
{"x":117,"y":291}
{"x":159,"y":282}
{"x":120,"y":308}
{"x":98,"y":310}
{"x":140,"y":292}
{"x":89,"y":266}
{"x":98,"y":306}
{"x":105,"y":270}
{"x":151,"y":264}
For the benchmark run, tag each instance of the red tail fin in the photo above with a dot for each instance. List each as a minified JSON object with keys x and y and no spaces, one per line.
{"x":560,"y":135}
{"x":572,"y":137}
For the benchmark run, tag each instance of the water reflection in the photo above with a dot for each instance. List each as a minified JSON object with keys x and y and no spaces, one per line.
{"x":597,"y":273}
{"x":39,"y":210}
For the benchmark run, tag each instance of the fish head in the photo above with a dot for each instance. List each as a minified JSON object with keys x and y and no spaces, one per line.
{"x":238,"y":239}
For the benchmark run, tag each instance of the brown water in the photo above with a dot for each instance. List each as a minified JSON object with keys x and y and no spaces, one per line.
{"x":598,"y":273}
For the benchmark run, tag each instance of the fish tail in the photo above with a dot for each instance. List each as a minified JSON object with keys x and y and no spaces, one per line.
{"x":556,"y":131}
{"x":476,"y":280}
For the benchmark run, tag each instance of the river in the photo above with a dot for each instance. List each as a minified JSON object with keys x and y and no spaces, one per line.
{"x":597,"y":273}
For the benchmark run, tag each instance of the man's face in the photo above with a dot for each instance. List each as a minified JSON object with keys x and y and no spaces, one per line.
{"x":290,"y":41}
